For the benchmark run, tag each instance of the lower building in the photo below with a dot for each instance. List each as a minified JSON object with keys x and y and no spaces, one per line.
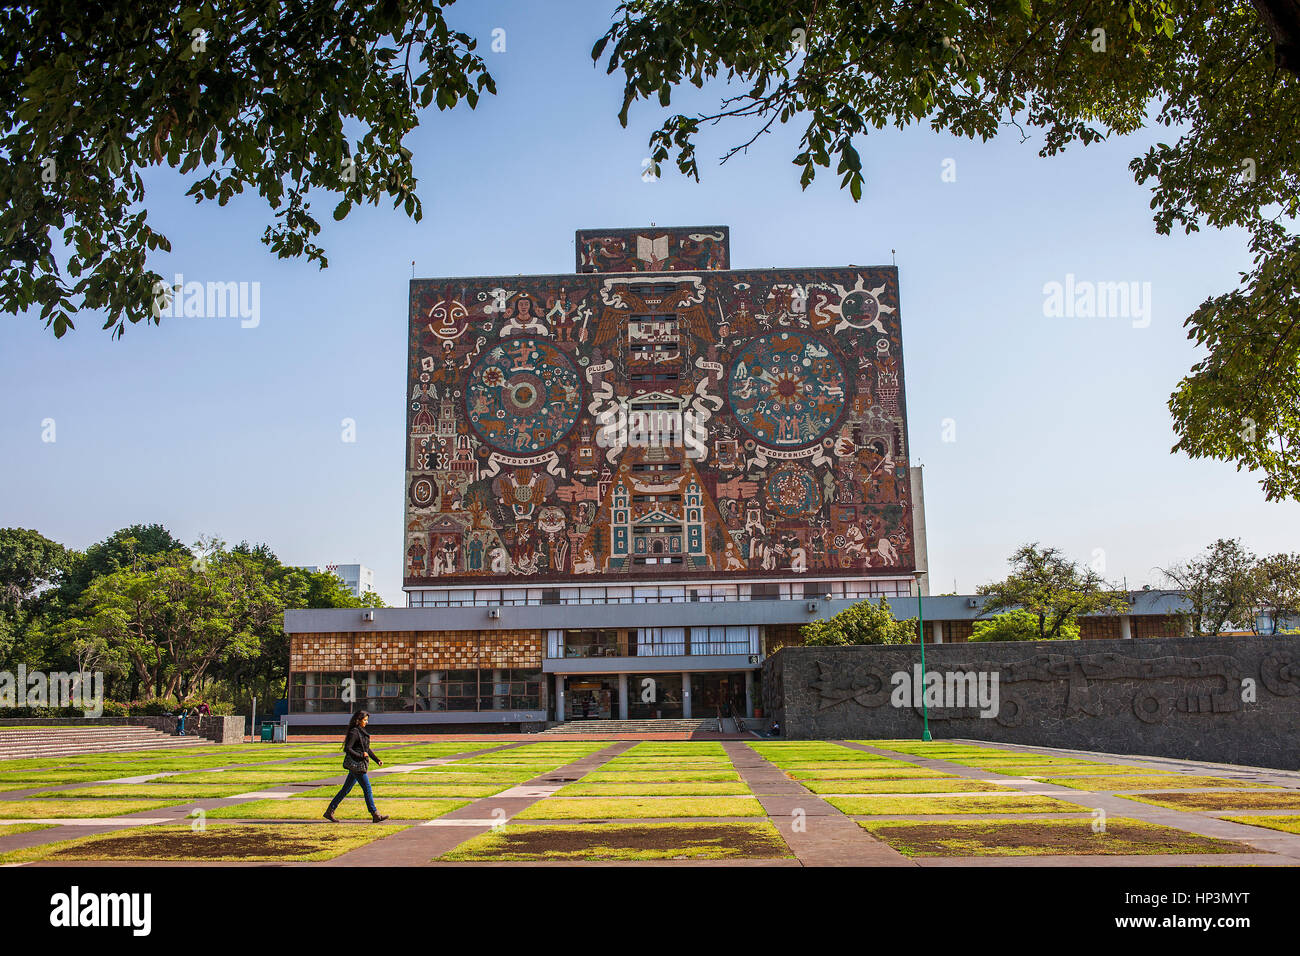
{"x":518,"y":661}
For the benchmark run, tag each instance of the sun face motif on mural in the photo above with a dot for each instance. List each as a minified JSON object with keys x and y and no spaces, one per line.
{"x":448,"y":320}
{"x":792,"y":492}
{"x":861,"y":308}
{"x":523,"y":396}
{"x":787,"y":389}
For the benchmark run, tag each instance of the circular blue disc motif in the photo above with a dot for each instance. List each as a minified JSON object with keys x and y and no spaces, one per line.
{"x":786,"y":389}
{"x":523,"y":396}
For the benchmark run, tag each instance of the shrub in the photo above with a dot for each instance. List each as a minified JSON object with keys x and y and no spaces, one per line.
{"x":864,"y":623}
{"x":153,"y":707}
{"x":1019,"y":625}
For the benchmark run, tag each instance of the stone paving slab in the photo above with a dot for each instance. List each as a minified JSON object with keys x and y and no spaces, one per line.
{"x":1082,"y":816}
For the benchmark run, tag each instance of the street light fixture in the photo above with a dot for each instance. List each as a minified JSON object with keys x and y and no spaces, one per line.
{"x":920,"y":635}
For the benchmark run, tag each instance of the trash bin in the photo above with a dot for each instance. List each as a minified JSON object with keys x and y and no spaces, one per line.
{"x":268,"y":732}
{"x":280,"y":733}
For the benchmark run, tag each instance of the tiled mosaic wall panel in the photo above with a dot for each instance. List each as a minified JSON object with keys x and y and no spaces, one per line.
{"x":1169,"y":625}
{"x":396,"y":651}
{"x":615,"y":428}
{"x":1099,"y":628}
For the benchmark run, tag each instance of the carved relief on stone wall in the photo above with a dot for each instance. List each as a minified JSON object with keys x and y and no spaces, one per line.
{"x":1163,"y":686}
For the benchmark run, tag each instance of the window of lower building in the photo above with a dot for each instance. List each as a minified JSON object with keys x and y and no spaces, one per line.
{"x":383,"y":691}
{"x":318,"y":693}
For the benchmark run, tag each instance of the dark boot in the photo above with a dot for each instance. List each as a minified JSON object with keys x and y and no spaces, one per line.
{"x":378,"y":817}
{"x":329,"y":815}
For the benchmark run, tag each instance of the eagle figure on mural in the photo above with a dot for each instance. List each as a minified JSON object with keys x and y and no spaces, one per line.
{"x":523,"y":491}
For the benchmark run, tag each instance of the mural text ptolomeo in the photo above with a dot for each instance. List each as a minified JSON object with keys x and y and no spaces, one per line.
{"x":676,"y":420}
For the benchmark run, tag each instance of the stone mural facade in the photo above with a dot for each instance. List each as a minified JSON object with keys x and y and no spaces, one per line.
{"x":693,"y":249}
{"x":1232,"y":700}
{"x":656,"y":418}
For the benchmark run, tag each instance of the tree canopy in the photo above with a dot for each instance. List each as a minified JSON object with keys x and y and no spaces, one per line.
{"x":159,"y":619}
{"x":1228,"y":587}
{"x":1045,"y":583}
{"x":276,"y":98}
{"x":1221,"y":76}
{"x":1018,"y":625}
{"x":863,"y":623}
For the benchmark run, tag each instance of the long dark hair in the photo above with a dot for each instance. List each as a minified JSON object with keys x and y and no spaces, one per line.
{"x":354,"y":723}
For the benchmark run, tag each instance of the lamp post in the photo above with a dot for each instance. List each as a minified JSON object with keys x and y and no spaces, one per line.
{"x":920,"y":634}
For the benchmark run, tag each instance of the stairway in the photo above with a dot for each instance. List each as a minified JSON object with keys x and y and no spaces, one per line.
{"x":66,"y":741}
{"x":708,"y":725}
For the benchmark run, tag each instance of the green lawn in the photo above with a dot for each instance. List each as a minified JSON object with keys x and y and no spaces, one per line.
{"x":704,"y":748}
{"x":1253,"y":800}
{"x":242,"y":843}
{"x":1061,"y":770}
{"x":142,"y":791}
{"x":402,"y":789}
{"x":456,"y":776}
{"x":618,"y":808}
{"x":1286,"y":824}
{"x":247,"y":777}
{"x":945,"y":785}
{"x":906,"y":806}
{"x":865,"y":773}
{"x":1122,"y":837}
{"x":651,"y":776}
{"x":1170,"y":781}
{"x":9,"y":829}
{"x":352,"y":808}
{"x":44,"y":807}
{"x":606,"y":841}
{"x":683,"y":787}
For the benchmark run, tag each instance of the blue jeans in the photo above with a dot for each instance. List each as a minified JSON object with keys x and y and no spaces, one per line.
{"x":354,"y":778}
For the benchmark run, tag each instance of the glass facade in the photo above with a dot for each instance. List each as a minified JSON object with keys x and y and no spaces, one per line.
{"x":653,"y":642}
{"x":317,"y":692}
{"x":654,"y":696}
{"x":661,"y":594}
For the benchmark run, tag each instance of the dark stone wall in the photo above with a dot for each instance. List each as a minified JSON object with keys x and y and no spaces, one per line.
{"x":1169,"y":697}
{"x":218,"y":729}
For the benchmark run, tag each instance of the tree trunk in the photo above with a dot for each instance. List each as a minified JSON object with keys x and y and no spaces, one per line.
{"x":1282,"y":18}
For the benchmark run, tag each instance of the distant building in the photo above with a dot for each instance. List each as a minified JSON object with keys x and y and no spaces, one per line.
{"x":357,"y":578}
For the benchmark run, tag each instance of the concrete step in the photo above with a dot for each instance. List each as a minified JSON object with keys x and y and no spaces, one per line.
{"x":706,"y":725}
{"x":70,"y":741}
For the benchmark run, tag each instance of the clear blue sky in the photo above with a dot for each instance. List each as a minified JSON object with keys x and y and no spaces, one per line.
{"x":1062,"y":432}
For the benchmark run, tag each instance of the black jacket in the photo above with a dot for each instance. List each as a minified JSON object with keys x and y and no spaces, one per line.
{"x":357,"y":746}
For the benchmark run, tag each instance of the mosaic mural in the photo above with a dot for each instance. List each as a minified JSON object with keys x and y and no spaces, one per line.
{"x":654,"y":250}
{"x":616,"y":426}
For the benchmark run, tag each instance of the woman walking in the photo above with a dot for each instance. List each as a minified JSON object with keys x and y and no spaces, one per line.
{"x":356,"y":761}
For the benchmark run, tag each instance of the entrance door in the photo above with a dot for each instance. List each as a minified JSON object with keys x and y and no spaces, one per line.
{"x":719,"y":695}
{"x":592,"y":699}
